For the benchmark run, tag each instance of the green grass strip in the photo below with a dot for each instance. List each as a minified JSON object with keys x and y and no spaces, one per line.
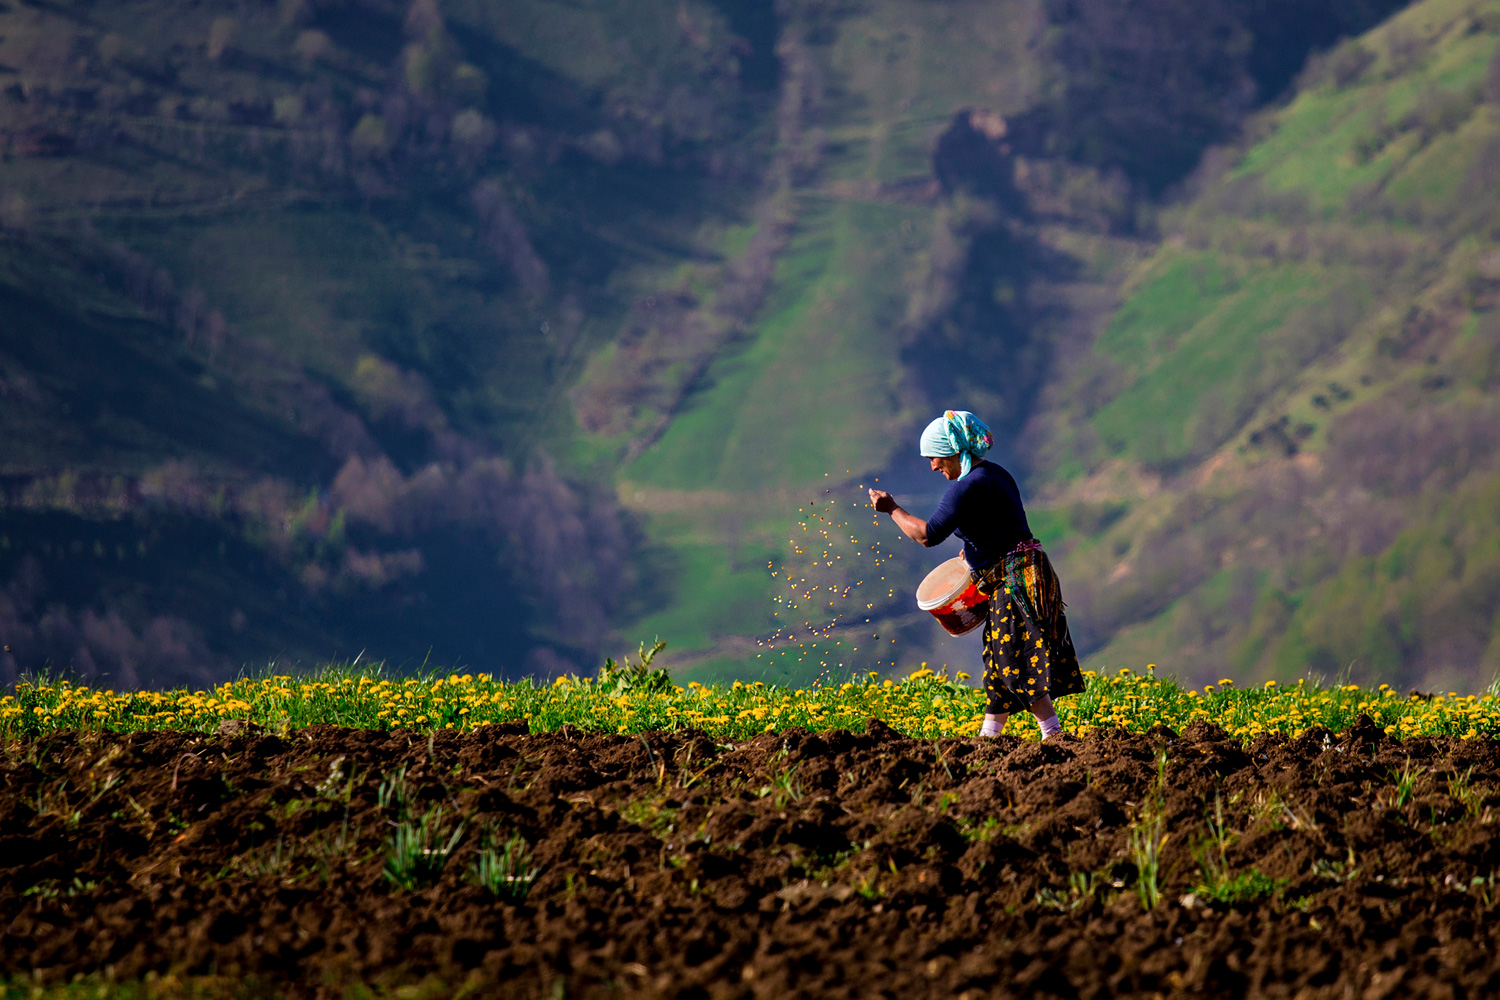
{"x":924,"y":705}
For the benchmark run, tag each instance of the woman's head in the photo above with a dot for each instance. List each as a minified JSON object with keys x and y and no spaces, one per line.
{"x":954,"y":442}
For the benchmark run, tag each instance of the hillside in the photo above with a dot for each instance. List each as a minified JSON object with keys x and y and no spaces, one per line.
{"x":505,"y":336}
{"x":293,"y":296}
{"x":1291,"y":418}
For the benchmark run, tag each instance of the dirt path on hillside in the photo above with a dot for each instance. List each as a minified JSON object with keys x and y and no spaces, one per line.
{"x":828,"y":865}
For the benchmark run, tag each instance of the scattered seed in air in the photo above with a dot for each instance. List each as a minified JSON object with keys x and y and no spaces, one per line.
{"x":830,"y":572}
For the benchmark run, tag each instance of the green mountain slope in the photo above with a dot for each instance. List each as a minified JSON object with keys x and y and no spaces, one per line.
{"x":1294,"y":409}
{"x":931,"y":258}
{"x":499,"y":334}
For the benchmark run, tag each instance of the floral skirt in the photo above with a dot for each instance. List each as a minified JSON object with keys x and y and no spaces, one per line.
{"x":1027,"y":649}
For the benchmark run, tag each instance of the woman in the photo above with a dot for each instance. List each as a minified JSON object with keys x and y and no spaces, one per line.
{"x":1028,"y":653}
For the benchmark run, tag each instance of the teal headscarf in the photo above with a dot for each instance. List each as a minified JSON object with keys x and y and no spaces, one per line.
{"x":957,"y":432}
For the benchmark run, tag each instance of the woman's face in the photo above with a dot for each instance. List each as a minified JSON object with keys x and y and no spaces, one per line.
{"x":951,"y":466}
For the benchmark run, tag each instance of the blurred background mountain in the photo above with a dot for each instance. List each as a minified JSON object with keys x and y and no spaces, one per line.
{"x":506,"y":335}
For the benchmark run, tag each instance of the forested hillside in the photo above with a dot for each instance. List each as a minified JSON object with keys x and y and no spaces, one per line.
{"x":293,"y":295}
{"x":508,"y":334}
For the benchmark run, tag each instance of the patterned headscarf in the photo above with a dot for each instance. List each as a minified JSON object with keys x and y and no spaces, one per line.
{"x":957,"y":432}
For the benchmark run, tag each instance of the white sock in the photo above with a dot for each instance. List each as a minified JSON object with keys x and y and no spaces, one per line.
{"x":994,"y":725}
{"x":1050,"y":726}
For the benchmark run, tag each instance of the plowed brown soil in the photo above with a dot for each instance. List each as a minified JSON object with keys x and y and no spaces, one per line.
{"x":828,"y":865}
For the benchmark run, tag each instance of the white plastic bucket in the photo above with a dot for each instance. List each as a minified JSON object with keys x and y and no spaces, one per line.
{"x":948,"y":593}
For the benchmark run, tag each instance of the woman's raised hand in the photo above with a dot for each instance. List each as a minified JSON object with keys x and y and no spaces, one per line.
{"x":883,"y":501}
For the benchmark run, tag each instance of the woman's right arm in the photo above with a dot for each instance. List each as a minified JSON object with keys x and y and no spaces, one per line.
{"x":911,"y":526}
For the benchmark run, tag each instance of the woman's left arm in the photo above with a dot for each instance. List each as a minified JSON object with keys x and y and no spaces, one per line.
{"x":911,"y":526}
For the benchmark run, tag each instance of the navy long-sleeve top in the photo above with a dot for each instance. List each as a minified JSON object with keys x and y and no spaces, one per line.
{"x":984,"y":509}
